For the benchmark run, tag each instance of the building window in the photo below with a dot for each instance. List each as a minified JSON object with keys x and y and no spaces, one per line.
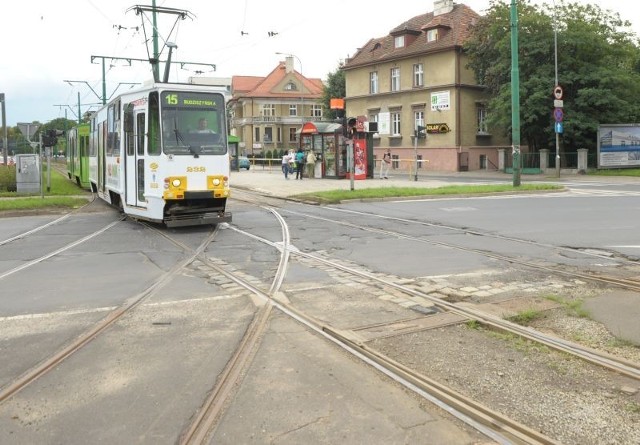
{"x":316,"y":110}
{"x":432,"y":35}
{"x":373,"y":82}
{"x":398,"y":42}
{"x":395,"y":79}
{"x":292,"y":135}
{"x":481,"y":114}
{"x":418,"y":119}
{"x":268,"y":134}
{"x":257,"y":136}
{"x":290,"y":87}
{"x":279,"y":134}
{"x":293,"y":110}
{"x":268,"y":110}
{"x":418,"y":75}
{"x":395,"y":124}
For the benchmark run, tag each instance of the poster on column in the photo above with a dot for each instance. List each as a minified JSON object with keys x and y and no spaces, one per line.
{"x":360,"y":158}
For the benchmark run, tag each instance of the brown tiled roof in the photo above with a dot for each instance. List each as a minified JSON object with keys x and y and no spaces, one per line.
{"x":250,"y":86}
{"x":456,"y":28}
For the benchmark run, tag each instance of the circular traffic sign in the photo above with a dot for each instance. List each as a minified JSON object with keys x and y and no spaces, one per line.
{"x":557,"y":92}
{"x":558,"y":114}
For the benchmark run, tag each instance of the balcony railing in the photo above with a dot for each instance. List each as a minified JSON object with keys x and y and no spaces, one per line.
{"x":281,"y":120}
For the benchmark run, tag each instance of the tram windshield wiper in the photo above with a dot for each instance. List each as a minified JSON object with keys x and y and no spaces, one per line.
{"x":181,"y":143}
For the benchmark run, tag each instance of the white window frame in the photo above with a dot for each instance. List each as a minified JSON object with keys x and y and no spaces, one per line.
{"x":395,"y":123}
{"x":316,"y":110}
{"x":395,"y":79}
{"x":432,"y":35}
{"x":481,"y":118}
{"x":293,"y":110}
{"x":373,"y":82}
{"x":418,"y":120}
{"x":268,"y":110}
{"x":418,"y":75}
{"x":398,"y":42}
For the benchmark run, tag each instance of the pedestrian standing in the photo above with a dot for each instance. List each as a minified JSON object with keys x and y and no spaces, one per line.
{"x":285,"y":165}
{"x":299,"y":163}
{"x":385,"y":164}
{"x":311,"y":163}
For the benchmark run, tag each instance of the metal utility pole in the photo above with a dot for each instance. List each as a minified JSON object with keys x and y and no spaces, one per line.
{"x":154,"y":58}
{"x":515,"y":95}
{"x":156,"y":55}
{"x":555,"y":51}
{"x":5,"y":139}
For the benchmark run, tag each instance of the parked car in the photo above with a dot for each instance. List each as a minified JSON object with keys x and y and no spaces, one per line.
{"x":243,"y":162}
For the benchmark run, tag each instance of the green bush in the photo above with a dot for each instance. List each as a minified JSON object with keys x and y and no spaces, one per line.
{"x":7,"y":178}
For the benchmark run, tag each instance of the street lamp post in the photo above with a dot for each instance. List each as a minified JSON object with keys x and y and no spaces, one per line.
{"x":5,"y":139}
{"x":515,"y":94}
{"x":555,"y":52}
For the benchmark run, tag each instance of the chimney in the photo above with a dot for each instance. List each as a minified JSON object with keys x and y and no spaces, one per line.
{"x":288,"y":65}
{"x":442,"y":7}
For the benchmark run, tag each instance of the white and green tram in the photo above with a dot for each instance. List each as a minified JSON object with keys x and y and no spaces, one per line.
{"x":160,"y":154}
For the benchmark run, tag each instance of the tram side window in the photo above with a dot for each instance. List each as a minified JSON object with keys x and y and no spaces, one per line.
{"x":93,"y":148}
{"x":113,"y":125}
{"x":140,"y":133}
{"x":153,"y":145}
{"x":129,"y":130}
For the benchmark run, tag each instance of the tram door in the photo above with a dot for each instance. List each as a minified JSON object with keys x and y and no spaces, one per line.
{"x":135,"y":163}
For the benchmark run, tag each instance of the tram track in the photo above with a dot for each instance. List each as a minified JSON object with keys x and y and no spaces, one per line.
{"x":500,"y":428}
{"x":615,"y":364}
{"x":618,"y":365}
{"x":205,"y":419}
{"x":51,"y":362}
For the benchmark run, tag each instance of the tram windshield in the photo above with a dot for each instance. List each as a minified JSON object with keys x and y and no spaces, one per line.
{"x":193,"y":123}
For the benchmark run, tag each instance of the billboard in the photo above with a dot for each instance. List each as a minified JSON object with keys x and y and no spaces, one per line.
{"x":619,"y":146}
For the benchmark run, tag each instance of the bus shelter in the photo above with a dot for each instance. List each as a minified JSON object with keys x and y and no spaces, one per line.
{"x":327,"y":141}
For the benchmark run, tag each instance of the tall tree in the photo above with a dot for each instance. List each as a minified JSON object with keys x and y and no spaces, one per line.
{"x":335,"y":87}
{"x":598,"y":60}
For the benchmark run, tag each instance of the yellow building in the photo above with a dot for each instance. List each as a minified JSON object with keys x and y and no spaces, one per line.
{"x":417,"y":76}
{"x":267,"y":113}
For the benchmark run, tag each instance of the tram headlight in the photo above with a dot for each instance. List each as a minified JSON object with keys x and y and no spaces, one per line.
{"x":176,"y":183}
{"x":216,"y":182}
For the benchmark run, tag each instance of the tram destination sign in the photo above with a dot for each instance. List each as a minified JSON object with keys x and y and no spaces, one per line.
{"x":190,"y":99}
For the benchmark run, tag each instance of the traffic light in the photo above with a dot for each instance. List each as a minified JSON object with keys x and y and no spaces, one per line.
{"x":50,"y":138}
{"x":421,"y":132}
{"x":351,"y":127}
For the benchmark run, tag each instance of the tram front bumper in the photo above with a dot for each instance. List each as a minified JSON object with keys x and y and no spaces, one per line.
{"x":201,"y":219}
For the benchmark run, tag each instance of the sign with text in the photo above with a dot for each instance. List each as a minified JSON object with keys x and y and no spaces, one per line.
{"x":438,"y":128}
{"x":440,"y":101}
{"x":619,"y":145}
{"x":384,"y":122}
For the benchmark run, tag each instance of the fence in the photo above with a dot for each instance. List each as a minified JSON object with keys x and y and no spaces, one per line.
{"x":530,"y":162}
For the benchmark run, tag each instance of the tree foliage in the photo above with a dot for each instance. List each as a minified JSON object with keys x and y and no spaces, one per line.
{"x":335,"y":87}
{"x":598,"y":68}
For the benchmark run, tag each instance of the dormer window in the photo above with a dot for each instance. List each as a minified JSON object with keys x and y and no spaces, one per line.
{"x":432,"y":35}
{"x":398,"y":42}
{"x":290,"y":87}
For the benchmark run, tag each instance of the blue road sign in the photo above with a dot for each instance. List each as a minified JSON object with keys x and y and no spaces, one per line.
{"x":559,"y":127}
{"x":558,"y":114}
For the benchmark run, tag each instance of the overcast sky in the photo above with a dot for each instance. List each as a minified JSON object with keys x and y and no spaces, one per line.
{"x":44,"y":43}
